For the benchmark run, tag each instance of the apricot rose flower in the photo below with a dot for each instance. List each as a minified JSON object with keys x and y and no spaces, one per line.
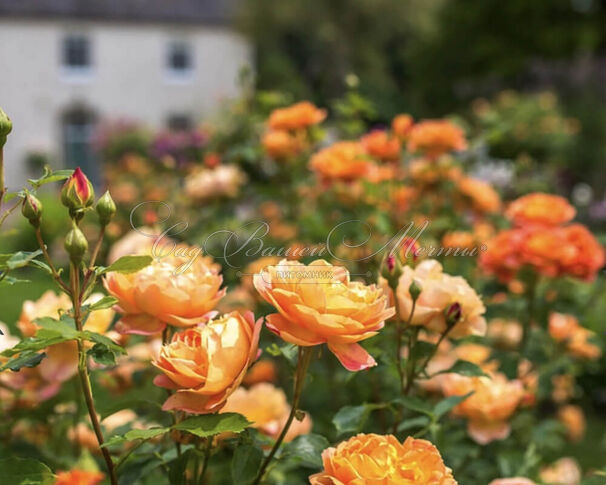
{"x":205,"y":364}
{"x":380,"y":460}
{"x":318,"y":304}
{"x":436,"y":137}
{"x":344,"y":160}
{"x":438,"y":291}
{"x":540,"y":208}
{"x":296,"y":117}
{"x":180,"y":289}
{"x":379,"y":144}
{"x":79,"y":477}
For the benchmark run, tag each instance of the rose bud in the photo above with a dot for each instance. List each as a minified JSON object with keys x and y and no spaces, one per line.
{"x":391,"y":269}
{"x":6,"y":125}
{"x":415,"y":290}
{"x":106,"y":208}
{"x":452,"y":314}
{"x":76,"y":244}
{"x":32,"y":209}
{"x":77,"y":192}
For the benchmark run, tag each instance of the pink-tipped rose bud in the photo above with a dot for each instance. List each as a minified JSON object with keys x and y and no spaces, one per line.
{"x":77,"y":192}
{"x":452,"y":313}
{"x":391,"y":269}
{"x":32,"y":209}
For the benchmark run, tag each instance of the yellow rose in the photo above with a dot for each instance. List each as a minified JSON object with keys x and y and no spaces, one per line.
{"x":318,"y":304}
{"x":179,"y":289}
{"x":205,"y":364}
{"x":372,"y":459}
{"x":438,"y":291}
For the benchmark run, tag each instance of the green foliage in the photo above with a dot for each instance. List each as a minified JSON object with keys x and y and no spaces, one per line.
{"x":25,"y":471}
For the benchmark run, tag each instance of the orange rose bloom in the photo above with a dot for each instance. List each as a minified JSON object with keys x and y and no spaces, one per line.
{"x":438,"y":291}
{"x":436,"y":137}
{"x":378,"y":144}
{"x":261,"y":371}
{"x":505,"y":333}
{"x":565,"y":471}
{"x":573,"y":419}
{"x":540,"y":208}
{"x":401,"y":125}
{"x":344,"y":160}
{"x":589,"y":255}
{"x":206,"y":364}
{"x":513,"y":481}
{"x":296,"y":117}
{"x":318,"y":304}
{"x":179,"y":289}
{"x":265,"y":406}
{"x":79,"y":477}
{"x":487,"y":410}
{"x":458,"y":239}
{"x":372,"y":459}
{"x":281,"y":144}
{"x":483,"y":197}
{"x":566,"y":328}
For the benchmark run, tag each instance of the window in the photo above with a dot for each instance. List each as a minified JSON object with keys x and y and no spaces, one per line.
{"x":179,"y":122}
{"x":76,"y":58}
{"x":179,"y":61}
{"x":78,"y":130}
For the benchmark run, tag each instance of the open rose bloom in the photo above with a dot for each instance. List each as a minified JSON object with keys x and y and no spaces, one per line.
{"x":318,"y":304}
{"x":438,"y":291}
{"x":205,"y":364}
{"x":180,"y":289}
{"x":488,"y":409}
{"x":371,"y":459}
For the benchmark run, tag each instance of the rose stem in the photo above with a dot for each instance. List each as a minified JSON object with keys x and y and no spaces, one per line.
{"x":302,"y":366}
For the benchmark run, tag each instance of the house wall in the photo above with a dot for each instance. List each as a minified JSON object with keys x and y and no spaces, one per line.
{"x":128,"y":79}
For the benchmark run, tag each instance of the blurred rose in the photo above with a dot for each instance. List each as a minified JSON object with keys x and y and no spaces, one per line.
{"x":458,"y":239}
{"x":207,"y":183}
{"x":265,"y":406}
{"x":505,"y":333}
{"x":563,"y":387}
{"x":565,"y":471}
{"x":482,"y":195}
{"x":297,"y":116}
{"x":374,"y":459}
{"x":48,"y":305}
{"x":436,"y":137}
{"x":513,"y":481}
{"x":344,"y":160}
{"x":79,"y":477}
{"x":206,"y":364}
{"x":540,"y":208}
{"x":401,"y":125}
{"x":179,"y":289}
{"x":138,"y":241}
{"x":438,"y":291}
{"x":261,"y":371}
{"x":566,"y":329}
{"x":318,"y":304}
{"x":573,"y":419}
{"x":487,"y":410}
{"x":380,"y":145}
{"x":281,"y":144}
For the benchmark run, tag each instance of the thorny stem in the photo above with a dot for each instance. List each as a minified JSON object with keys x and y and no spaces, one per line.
{"x":83,"y":373}
{"x":304,"y":359}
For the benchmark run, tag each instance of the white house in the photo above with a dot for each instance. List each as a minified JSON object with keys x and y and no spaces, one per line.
{"x":66,"y":64}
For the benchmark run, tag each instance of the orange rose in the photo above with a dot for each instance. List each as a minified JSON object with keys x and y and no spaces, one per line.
{"x":296,"y":117}
{"x":540,"y":208}
{"x":589,"y":256}
{"x":376,"y":460}
{"x":281,"y":144}
{"x":487,"y":410}
{"x":483,"y":197}
{"x":48,"y":305}
{"x":265,"y":406}
{"x":506,"y":333}
{"x":79,"y":477}
{"x":401,"y":125}
{"x":261,"y":371}
{"x":513,"y":481}
{"x":458,"y":239}
{"x":318,"y":304}
{"x":565,"y":471}
{"x":573,"y":419}
{"x":179,"y":289}
{"x":438,"y":291}
{"x":566,"y":328}
{"x":436,"y":137}
{"x":344,"y":160}
{"x":206,"y":364}
{"x":378,"y":144}
{"x":209,"y":183}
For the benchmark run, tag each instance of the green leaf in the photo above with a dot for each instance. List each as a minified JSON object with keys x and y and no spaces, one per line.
{"x":42,"y":265}
{"x":308,"y":449}
{"x":245,"y":464}
{"x":50,"y":176}
{"x":9,"y":281}
{"x":102,"y":355}
{"x":25,"y":359}
{"x":464,"y":368}
{"x":25,"y":471}
{"x":212,"y":424}
{"x":178,"y":467}
{"x":447,"y":404}
{"x":102,"y":304}
{"x":421,"y":350}
{"x":418,"y":422}
{"x":136,"y":434}
{"x":103,"y":340}
{"x":18,"y":259}
{"x":51,"y":327}
{"x":414,"y":404}
{"x":128,"y":264}
{"x":351,"y":419}
{"x":288,"y":351}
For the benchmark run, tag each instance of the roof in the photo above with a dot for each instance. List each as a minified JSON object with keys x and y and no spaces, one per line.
{"x":163,"y":11}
